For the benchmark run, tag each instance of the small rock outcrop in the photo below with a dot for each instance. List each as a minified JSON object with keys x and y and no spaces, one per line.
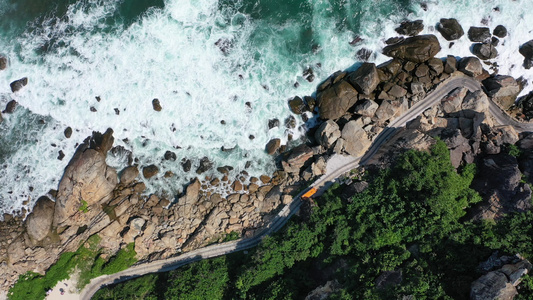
{"x":18,"y":84}
{"x":416,"y":49}
{"x":450,"y":29}
{"x":410,"y":28}
{"x":479,"y":34}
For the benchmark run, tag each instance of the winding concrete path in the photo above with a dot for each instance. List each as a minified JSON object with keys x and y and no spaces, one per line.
{"x":337,"y":165}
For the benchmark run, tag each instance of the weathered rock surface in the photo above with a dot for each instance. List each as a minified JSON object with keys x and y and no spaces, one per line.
{"x":450,"y":29}
{"x":150,"y":171}
{"x":471,"y":66}
{"x":128,"y":175}
{"x":410,"y":28}
{"x":3,"y":62}
{"x":416,"y":49}
{"x":327,"y":134}
{"x":500,"y":31}
{"x":500,"y":283}
{"x":479,"y":34}
{"x":335,"y":101}
{"x":484,"y":51}
{"x":86,"y":178}
{"x":297,"y":105}
{"x":365,"y":79}
{"x":297,"y":158}
{"x":18,"y":84}
{"x":502,"y":89}
{"x":272,"y":146}
{"x":367,"y":108}
{"x":356,"y":139}
{"x":39,"y":221}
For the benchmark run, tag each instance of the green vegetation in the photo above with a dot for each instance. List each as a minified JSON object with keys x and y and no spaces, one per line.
{"x":87,"y":260}
{"x":409,"y":219}
{"x":513,"y":150}
{"x":84,"y":207}
{"x":232,"y":236}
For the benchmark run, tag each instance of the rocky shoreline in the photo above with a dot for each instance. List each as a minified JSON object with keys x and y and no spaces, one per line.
{"x":354,"y":107}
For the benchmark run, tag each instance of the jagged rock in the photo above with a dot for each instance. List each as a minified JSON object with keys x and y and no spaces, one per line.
{"x":416,"y":49}
{"x":156,"y":105}
{"x":451,"y":64}
{"x":410,"y":28}
{"x":191,"y":194}
{"x":335,"y":101}
{"x":479,"y":34}
{"x":297,"y":105}
{"x":499,"y":183}
{"x":476,"y":101}
{"x":387,"y":110}
{"x":417,"y":88}
{"x":422,"y":70}
{"x":436,"y":65}
{"x":169,"y":155}
{"x":502,"y":89}
{"x":367,"y":108}
{"x":205,"y":165}
{"x":39,"y":221}
{"x":500,"y":31}
{"x":397,"y":91}
{"x":87,"y":177}
{"x":484,"y":51}
{"x":150,"y":171}
{"x":356,"y":140}
{"x":471,"y":66}
{"x":128,"y":175}
{"x":298,"y":157}
{"x":493,"y":285}
{"x":186,"y":165}
{"x":319,"y":167}
{"x":10,"y":107}
{"x":273,"y":123}
{"x":365,"y":79}
{"x":390,"y":68}
{"x":18,"y":84}
{"x":272,"y":146}
{"x":363,"y":54}
{"x":327,"y":133}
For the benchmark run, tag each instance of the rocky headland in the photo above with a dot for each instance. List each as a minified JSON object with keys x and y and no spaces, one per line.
{"x":353,"y":108}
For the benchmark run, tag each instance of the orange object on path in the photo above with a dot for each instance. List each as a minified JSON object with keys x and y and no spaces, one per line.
{"x":309,"y":193}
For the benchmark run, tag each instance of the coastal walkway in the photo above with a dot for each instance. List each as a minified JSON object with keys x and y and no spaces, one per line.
{"x":337,"y":165}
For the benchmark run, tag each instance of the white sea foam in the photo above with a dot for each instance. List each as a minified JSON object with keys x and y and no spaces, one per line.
{"x":170,"y":54}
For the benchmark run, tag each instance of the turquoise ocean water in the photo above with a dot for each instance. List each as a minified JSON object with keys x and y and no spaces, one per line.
{"x":207,"y":61}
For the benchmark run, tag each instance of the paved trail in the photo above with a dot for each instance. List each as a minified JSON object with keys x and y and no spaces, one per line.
{"x":337,"y":165}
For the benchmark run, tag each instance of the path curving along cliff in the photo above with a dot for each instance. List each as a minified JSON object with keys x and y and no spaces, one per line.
{"x":337,"y":165}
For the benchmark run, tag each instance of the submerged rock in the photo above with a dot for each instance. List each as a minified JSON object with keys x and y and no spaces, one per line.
{"x":410,"y":28}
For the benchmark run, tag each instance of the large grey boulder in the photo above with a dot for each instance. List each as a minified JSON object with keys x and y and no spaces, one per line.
{"x":416,"y":49}
{"x":387,"y":110}
{"x":450,"y":29}
{"x":365,"y":79}
{"x":502,"y":89}
{"x":335,"y":101}
{"x":410,"y":28}
{"x":297,"y":159}
{"x":476,"y":101}
{"x":39,"y":222}
{"x":128,"y":175}
{"x":356,"y":139}
{"x":18,"y":84}
{"x":327,"y":133}
{"x":452,"y":102}
{"x":272,"y":146}
{"x":367,"y":108}
{"x":493,"y":285}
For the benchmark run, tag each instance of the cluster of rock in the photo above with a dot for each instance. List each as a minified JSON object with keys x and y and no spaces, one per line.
{"x":91,"y":199}
{"x":502,"y":275}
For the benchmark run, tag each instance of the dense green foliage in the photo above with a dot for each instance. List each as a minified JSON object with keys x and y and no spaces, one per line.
{"x":408,"y":219}
{"x":86,"y":260}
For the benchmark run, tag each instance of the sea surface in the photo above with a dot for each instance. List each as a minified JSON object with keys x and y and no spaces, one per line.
{"x":208,"y":62}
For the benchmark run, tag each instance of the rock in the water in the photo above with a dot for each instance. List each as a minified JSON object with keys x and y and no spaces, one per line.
{"x":3,"y":62}
{"x":502,"y":89}
{"x":365,"y":79}
{"x":150,"y":171}
{"x":363,"y":54}
{"x":471,"y":66}
{"x":186,"y":164}
{"x":169,"y":155}
{"x":356,"y":139}
{"x":68,"y":132}
{"x":273,"y":123}
{"x":39,"y":222}
{"x":367,"y":108}
{"x":272,"y":146}
{"x":10,"y":107}
{"x":335,"y":101}
{"x":18,"y":84}
{"x":484,"y":51}
{"x":297,"y":105}
{"x":156,"y":105}
{"x":527,"y":50}
{"x":128,"y":175}
{"x":479,"y":34}
{"x":500,"y":31}
{"x":327,"y":134}
{"x":410,"y":28}
{"x":450,"y":29}
{"x":205,"y":165}
{"x":416,"y":49}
